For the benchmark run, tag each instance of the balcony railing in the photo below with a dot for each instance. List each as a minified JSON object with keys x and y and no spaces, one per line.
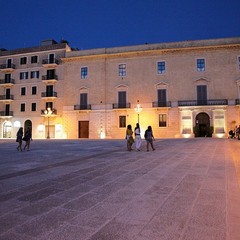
{"x":82,"y":107}
{"x":50,"y":61}
{"x":209,"y":102}
{"x":6,"y":113}
{"x":8,"y":66}
{"x":54,"y":112}
{"x":49,"y":94}
{"x":121,"y":105}
{"x":46,"y":77}
{"x":162,"y":104}
{"x":7,"y":81}
{"x":6,"y":97}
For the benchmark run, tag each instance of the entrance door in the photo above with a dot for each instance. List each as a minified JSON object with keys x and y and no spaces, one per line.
{"x":202,"y":125}
{"x":7,"y":129}
{"x":83,"y":129}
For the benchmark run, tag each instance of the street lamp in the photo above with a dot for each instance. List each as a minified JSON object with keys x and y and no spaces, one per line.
{"x":48,"y":113}
{"x":138,"y":109}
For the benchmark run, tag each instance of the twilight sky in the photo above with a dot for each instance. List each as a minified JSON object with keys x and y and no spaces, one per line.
{"x":88,"y":24}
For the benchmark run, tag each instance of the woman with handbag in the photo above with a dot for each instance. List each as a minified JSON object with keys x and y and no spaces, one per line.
{"x":129,"y":137}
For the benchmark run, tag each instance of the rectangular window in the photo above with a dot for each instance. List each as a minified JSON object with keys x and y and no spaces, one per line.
{"x":162,"y":120}
{"x":34,"y":74}
{"x":238,"y":62}
{"x":122,"y":70}
{"x":161,"y":67}
{"x":34,"y":107}
{"x":202,"y":95}
{"x":83,"y":101}
{"x":23,"y":75}
{"x":200,"y":65}
{"x":23,"y":91}
{"x":23,"y":60}
{"x":22,"y":107}
{"x":122,"y":121}
{"x":122,"y":99}
{"x":34,"y":59}
{"x":162,"y":97}
{"x":84,"y":72}
{"x":34,"y":90}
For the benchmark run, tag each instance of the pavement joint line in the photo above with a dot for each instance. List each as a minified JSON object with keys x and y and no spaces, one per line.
{"x":49,"y":166}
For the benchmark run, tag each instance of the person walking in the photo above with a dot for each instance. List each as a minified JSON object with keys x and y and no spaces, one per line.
{"x":19,"y":138}
{"x":129,"y":137}
{"x":27,"y":137}
{"x":138,"y":140}
{"x":149,"y":137}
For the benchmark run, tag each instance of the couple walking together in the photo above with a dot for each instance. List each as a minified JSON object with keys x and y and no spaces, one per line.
{"x":138,"y":141}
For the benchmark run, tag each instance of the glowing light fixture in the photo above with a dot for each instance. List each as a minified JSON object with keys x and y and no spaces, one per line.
{"x":138,"y":109}
{"x":48,"y":112}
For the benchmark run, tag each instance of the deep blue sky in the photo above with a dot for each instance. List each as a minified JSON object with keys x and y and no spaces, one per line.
{"x":88,"y":24}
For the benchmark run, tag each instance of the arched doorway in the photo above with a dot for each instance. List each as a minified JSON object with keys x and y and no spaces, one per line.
{"x":7,"y":129}
{"x":202,"y":128}
{"x":28,"y":124}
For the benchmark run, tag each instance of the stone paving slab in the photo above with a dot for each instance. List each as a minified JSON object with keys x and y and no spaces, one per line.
{"x":96,"y":190}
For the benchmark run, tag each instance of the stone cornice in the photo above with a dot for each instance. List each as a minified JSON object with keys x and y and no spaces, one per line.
{"x":143,"y":52}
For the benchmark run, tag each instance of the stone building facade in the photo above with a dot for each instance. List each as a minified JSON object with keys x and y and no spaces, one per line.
{"x":181,"y":89}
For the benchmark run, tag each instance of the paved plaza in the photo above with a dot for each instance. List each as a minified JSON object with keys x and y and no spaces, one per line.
{"x":96,"y":190}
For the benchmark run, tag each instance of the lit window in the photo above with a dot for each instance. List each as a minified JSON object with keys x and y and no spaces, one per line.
{"x":161,"y":67}
{"x":201,"y":65}
{"x":122,"y":121}
{"x":84,"y":73}
{"x":162,"y":120}
{"x":122,"y":70}
{"x":35,"y":74}
{"x":24,"y":75}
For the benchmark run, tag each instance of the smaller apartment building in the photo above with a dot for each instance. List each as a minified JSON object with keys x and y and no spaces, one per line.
{"x":182,"y":89}
{"x":31,"y":81}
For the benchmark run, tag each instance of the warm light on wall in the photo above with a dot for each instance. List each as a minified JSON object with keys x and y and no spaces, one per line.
{"x":220,"y":135}
{"x":187,"y":135}
{"x":40,"y":128}
{"x":102,"y":135}
{"x":17,"y":124}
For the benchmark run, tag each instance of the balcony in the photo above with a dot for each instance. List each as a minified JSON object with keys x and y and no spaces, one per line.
{"x":82,"y":107}
{"x":210,"y":102}
{"x":54,"y":112}
{"x":49,"y":63}
{"x":6,"y":114}
{"x":161,"y":104}
{"x":49,"y":79}
{"x":121,"y":105}
{"x":7,"y":67}
{"x":6,"y":98}
{"x":48,"y":95}
{"x":7,"y":82}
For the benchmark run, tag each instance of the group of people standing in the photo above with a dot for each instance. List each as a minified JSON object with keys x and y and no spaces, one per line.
{"x":138,"y":140}
{"x":27,"y":136}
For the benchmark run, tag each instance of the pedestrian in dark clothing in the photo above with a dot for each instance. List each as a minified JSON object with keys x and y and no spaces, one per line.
{"x":149,"y":137}
{"x":27,"y":137}
{"x":19,"y":138}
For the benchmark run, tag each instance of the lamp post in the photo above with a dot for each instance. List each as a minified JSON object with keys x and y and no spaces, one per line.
{"x":48,"y":113}
{"x":138,"y":109}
